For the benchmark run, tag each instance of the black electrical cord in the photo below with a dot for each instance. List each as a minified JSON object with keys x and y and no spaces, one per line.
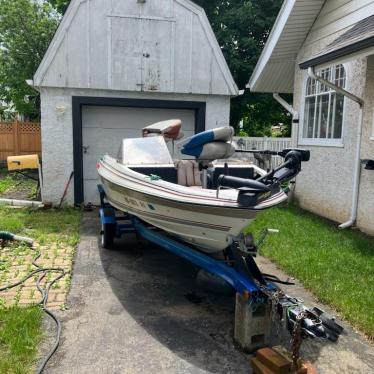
{"x":275,"y":279}
{"x":43,"y":302}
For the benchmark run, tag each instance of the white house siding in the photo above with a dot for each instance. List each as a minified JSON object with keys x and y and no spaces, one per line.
{"x":365,"y":219}
{"x":57,"y":131}
{"x":325,"y":185}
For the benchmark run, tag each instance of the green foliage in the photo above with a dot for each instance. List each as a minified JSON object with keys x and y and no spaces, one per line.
{"x":26,"y":29}
{"x":337,"y":266}
{"x":60,"y":5}
{"x":261,"y":112}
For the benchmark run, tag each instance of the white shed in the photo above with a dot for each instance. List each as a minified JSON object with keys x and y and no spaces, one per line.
{"x":115,"y":66}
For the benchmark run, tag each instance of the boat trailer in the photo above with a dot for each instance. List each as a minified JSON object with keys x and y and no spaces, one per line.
{"x":239,"y":270}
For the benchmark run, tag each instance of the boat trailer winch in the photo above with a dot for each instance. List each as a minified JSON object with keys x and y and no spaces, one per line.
{"x":238,"y":269}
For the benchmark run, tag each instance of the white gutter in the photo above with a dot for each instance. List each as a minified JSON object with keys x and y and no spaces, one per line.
{"x":291,"y":110}
{"x":357,"y":172}
{"x":285,"y":105}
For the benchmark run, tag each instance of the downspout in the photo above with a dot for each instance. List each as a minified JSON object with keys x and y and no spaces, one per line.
{"x":357,"y":171}
{"x":291,"y":110}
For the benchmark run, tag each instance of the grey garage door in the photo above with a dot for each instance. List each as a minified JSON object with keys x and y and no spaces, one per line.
{"x":105,"y":127}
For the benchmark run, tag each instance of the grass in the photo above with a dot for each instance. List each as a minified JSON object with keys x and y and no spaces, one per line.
{"x":6,"y":183}
{"x":20,"y":328}
{"x":337,"y":266}
{"x":13,"y":183}
{"x":45,"y":226}
{"x":20,"y":333}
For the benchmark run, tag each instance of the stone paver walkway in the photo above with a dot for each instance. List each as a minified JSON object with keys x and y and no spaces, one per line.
{"x":16,"y":263}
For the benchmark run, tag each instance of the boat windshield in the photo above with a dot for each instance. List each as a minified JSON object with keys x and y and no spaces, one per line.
{"x":145,"y":151}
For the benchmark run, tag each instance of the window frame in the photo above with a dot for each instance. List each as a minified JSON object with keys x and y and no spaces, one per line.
{"x":323,"y":142}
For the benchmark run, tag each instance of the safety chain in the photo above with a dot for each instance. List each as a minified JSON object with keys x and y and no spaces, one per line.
{"x":297,"y":340}
{"x":274,"y":301}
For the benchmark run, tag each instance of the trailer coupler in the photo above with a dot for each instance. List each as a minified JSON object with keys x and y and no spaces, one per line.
{"x":315,"y":323}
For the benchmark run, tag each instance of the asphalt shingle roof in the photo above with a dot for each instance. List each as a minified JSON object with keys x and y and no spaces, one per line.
{"x":359,"y":37}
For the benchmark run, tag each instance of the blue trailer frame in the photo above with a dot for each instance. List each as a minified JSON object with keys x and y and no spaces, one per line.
{"x":122,"y":224}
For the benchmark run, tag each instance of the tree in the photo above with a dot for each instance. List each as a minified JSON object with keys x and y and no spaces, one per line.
{"x":242,"y":28}
{"x":26,"y":29}
{"x":60,"y":5}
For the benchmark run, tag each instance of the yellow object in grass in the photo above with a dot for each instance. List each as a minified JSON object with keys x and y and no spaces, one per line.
{"x":23,"y":162}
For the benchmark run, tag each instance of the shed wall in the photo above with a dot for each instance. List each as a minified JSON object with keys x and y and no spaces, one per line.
{"x":158,"y":46}
{"x":57,"y":131}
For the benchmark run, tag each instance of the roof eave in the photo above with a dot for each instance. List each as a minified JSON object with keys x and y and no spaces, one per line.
{"x":273,"y":38}
{"x":351,"y":49}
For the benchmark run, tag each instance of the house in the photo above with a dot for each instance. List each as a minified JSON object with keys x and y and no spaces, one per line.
{"x":311,"y":42}
{"x":115,"y":66}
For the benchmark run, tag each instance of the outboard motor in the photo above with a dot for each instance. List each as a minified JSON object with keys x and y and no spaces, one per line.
{"x":252,"y":192}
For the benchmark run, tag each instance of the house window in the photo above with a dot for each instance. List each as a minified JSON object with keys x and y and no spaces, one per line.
{"x":324,"y":107}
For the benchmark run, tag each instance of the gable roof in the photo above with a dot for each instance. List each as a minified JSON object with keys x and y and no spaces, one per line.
{"x":356,"y":39}
{"x":275,"y":69}
{"x":53,"y":62}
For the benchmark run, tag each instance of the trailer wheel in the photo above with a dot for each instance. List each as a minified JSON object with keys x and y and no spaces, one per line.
{"x":108,"y":232}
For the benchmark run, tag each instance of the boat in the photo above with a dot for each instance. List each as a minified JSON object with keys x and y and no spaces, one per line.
{"x":199,"y":200}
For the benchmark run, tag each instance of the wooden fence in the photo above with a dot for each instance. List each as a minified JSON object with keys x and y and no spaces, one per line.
{"x":261,"y":144}
{"x":19,"y":138}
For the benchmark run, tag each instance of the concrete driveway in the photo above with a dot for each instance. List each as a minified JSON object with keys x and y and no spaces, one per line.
{"x":134,"y":310}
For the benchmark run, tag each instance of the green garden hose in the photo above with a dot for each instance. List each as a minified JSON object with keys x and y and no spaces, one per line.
{"x":8,"y":236}
{"x":60,"y":273}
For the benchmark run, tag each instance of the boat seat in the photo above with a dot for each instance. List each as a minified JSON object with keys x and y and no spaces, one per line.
{"x":209,"y":145}
{"x":188,"y":173}
{"x":170,"y":129}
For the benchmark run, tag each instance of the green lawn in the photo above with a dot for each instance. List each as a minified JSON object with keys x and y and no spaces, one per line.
{"x":45,"y":226}
{"x":6,"y":182}
{"x":20,"y":333}
{"x":337,"y":266}
{"x":20,"y":328}
{"x":17,"y":186}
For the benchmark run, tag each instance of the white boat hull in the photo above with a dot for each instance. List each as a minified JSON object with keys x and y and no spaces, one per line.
{"x":195,"y":216}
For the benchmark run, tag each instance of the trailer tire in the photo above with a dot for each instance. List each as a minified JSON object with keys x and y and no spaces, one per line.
{"x":108,"y":234}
